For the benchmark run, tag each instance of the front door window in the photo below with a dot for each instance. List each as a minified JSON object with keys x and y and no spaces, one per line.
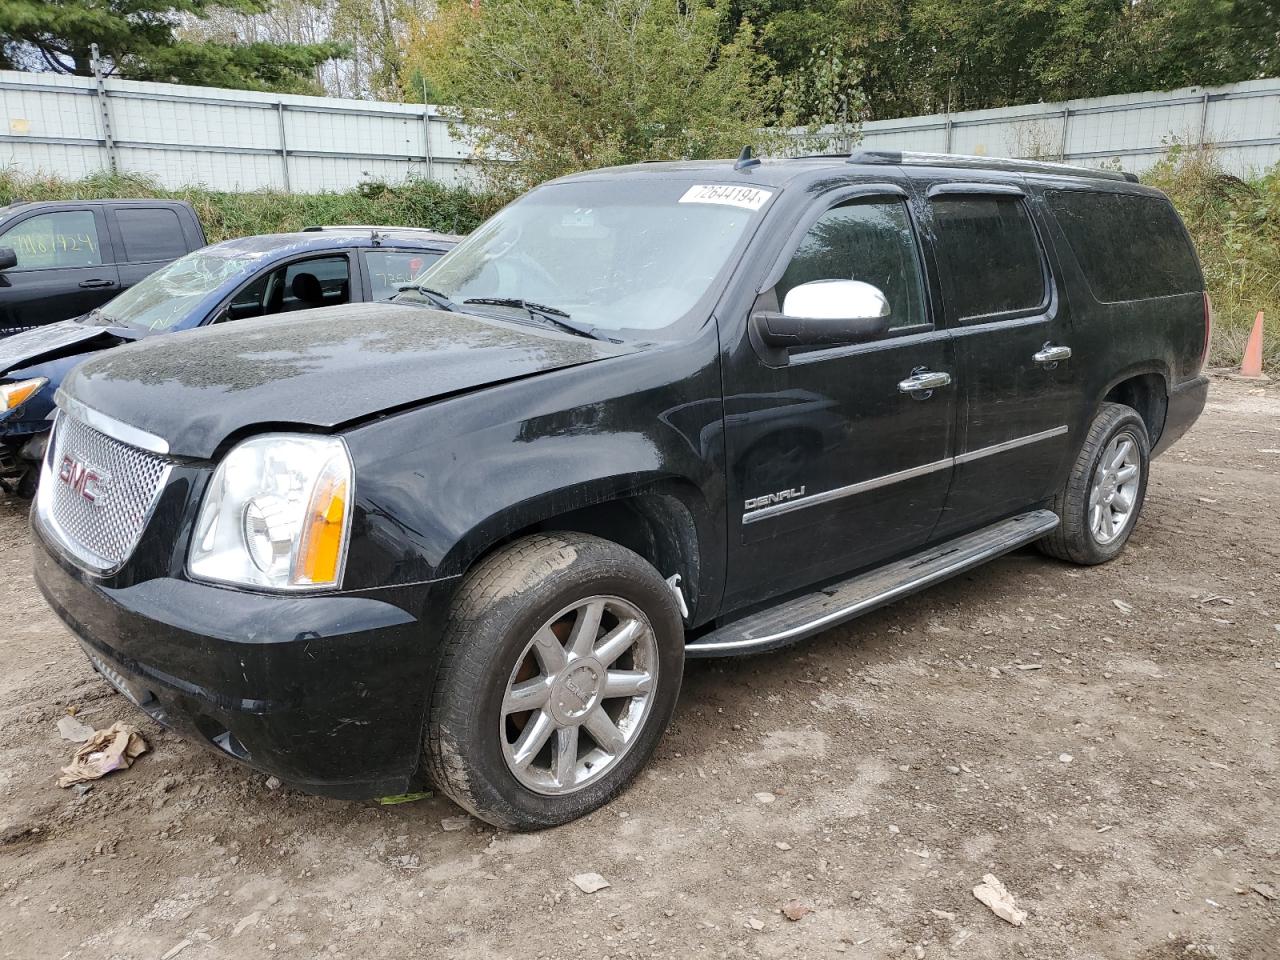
{"x":871,"y":241}
{"x":304,"y":285}
{"x":64,"y":239}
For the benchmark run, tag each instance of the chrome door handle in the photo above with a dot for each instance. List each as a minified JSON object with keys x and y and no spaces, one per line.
{"x":1051,"y":355}
{"x":924,"y":381}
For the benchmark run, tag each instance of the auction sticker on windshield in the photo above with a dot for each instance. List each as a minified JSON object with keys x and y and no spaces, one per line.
{"x":749,"y":198}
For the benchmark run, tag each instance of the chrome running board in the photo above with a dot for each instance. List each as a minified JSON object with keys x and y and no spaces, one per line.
{"x":814,"y":612}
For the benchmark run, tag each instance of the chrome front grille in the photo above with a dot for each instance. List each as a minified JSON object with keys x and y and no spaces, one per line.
{"x":97,"y":493}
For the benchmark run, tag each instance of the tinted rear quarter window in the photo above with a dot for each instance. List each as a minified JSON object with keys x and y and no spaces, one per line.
{"x":989,"y":247}
{"x":150,"y":234}
{"x":1130,"y":247}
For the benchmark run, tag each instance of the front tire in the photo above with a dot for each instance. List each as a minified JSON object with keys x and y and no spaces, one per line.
{"x":1103,"y":497}
{"x":562,"y":661}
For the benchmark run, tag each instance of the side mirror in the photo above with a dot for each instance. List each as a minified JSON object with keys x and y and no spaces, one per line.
{"x":825,"y":313}
{"x":8,"y":258}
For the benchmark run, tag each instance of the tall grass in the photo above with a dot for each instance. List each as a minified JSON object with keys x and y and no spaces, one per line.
{"x":1236,"y":227}
{"x":417,"y":203}
{"x":1235,"y":224}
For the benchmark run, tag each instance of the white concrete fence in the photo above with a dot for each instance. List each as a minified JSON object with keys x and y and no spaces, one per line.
{"x":223,"y":139}
{"x":1241,"y":122}
{"x":239,"y":140}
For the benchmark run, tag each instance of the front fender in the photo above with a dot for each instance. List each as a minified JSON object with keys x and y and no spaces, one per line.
{"x":33,"y":416}
{"x":436,"y":487}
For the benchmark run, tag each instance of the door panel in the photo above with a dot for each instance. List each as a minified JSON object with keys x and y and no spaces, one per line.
{"x":831,"y":467}
{"x":63,"y":269}
{"x":1015,"y":416}
{"x":1012,"y":335}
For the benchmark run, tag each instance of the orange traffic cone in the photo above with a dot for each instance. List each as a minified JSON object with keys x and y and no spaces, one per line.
{"x":1252,"y":365}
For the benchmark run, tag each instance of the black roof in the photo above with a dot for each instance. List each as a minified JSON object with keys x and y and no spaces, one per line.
{"x":777,"y":172}
{"x":8,"y":207}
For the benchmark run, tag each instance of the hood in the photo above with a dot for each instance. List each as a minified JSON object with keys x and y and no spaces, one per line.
{"x":64,"y":339}
{"x":315,"y":368}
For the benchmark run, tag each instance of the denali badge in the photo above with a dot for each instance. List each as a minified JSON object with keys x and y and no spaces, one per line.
{"x":769,"y":499}
{"x":82,"y":478}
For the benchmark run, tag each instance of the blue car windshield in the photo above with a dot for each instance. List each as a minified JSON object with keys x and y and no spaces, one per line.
{"x":163,"y":300}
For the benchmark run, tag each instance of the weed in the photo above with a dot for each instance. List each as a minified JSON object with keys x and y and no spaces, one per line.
{"x":1236,"y":227}
{"x":415,"y":203}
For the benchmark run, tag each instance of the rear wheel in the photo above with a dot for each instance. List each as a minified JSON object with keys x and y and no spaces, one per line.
{"x":1103,"y":496}
{"x":562,"y":664}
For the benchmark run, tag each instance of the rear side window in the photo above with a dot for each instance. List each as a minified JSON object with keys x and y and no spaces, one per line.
{"x":65,"y":239}
{"x":390,"y":268}
{"x":154,"y":234}
{"x":323,"y":282}
{"x":991,"y":254}
{"x":1129,"y":247}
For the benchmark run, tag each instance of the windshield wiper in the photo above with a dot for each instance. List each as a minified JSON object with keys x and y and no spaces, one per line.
{"x":95,"y":317}
{"x":551,"y":316}
{"x":438,"y":299}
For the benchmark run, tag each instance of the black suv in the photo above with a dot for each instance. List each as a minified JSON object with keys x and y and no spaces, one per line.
{"x":61,"y":258}
{"x":469,"y":536}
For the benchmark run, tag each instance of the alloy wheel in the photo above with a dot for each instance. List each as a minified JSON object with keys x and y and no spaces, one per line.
{"x":579,"y":695}
{"x":1113,"y":496}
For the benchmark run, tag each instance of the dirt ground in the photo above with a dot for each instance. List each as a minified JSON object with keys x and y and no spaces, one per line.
{"x":1104,"y":741}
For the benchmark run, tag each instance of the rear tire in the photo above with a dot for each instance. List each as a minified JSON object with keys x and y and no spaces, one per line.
{"x":563,"y":655}
{"x":1103,"y":497}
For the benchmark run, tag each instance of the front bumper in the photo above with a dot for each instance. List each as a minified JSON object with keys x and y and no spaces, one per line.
{"x":1186,"y":403}
{"x":328,"y":693}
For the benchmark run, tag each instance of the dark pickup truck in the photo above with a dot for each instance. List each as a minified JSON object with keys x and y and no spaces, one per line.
{"x":61,"y":258}
{"x":469,"y":536}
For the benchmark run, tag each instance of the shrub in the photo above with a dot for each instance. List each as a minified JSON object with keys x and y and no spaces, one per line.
{"x":415,"y":203}
{"x":1236,"y":227}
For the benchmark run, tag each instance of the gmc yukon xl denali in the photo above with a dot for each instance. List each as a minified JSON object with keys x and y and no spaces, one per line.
{"x":469,"y":536}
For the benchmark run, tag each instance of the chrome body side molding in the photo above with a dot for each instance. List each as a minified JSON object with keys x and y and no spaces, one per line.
{"x":910,"y":473}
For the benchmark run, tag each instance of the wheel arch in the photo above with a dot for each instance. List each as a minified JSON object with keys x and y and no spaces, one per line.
{"x":666,"y":521}
{"x":1145,"y":388}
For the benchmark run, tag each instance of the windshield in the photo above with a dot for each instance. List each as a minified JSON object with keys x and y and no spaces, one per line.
{"x":164,"y":299}
{"x":616,"y":255}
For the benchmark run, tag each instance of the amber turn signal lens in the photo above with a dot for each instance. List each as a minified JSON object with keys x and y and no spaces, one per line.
{"x":323,"y":532}
{"x":14,"y":395}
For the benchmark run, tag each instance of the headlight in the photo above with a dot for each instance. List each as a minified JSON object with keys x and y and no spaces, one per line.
{"x":14,"y":395}
{"x":276,"y":514}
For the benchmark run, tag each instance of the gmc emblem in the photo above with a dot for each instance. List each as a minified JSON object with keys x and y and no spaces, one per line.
{"x":82,"y":478}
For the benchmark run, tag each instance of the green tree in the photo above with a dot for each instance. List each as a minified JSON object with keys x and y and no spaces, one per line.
{"x":138,"y":39}
{"x":1179,"y":43}
{"x":989,"y":53}
{"x":562,"y":86}
{"x":923,"y":56}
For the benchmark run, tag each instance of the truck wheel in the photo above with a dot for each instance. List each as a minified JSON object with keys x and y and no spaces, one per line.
{"x":562,"y":661}
{"x":30,"y":480}
{"x":1102,"y":498}
{"x":24,"y":486}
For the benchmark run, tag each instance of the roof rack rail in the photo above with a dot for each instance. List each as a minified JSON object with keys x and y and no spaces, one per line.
{"x":985,"y":163}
